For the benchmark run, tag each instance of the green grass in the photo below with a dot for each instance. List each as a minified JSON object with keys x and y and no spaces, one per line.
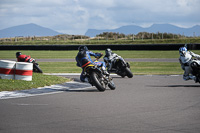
{"x":39,"y":80}
{"x":60,"y":67}
{"x":139,"y":68}
{"x":156,"y":68}
{"x":72,"y":54}
{"x":10,"y":54}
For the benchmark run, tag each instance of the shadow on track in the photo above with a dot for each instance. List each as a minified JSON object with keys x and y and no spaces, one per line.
{"x":91,"y":90}
{"x":175,"y":86}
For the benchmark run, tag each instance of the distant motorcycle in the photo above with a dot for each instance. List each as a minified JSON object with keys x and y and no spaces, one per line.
{"x":36,"y":67}
{"x":97,"y":78}
{"x":195,"y":65}
{"x":119,"y":66}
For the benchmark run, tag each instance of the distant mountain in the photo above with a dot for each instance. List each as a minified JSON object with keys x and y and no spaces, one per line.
{"x":162,"y":28}
{"x":27,"y":30}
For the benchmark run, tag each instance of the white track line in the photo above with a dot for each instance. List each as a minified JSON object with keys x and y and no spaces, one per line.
{"x":68,"y":86}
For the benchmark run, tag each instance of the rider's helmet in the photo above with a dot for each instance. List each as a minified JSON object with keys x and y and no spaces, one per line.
{"x":108,"y":52}
{"x":82,"y":48}
{"x":18,"y":54}
{"x":182,"y":51}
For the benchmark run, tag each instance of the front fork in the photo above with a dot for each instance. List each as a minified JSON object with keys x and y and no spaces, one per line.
{"x":127,"y":64}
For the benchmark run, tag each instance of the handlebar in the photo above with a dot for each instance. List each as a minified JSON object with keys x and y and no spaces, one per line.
{"x":100,"y":55}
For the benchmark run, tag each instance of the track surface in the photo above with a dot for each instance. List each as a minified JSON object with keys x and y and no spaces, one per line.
{"x":143,"y":104}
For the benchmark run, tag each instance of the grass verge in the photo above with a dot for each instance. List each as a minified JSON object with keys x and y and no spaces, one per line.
{"x":5,"y":54}
{"x":138,"y":68}
{"x":39,"y":80}
{"x":156,"y":68}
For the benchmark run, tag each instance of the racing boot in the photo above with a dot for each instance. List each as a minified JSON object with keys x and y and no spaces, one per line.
{"x":86,"y":80}
{"x":104,"y":71}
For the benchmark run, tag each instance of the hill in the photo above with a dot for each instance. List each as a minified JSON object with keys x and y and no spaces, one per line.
{"x":27,"y":30}
{"x":162,"y":28}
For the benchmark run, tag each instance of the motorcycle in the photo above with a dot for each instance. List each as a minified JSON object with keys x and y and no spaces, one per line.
{"x":36,"y":67}
{"x":120,"y":67}
{"x":97,"y":78}
{"x":195,"y":65}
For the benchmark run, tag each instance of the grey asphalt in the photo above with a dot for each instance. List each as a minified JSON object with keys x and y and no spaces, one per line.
{"x":142,"y":104}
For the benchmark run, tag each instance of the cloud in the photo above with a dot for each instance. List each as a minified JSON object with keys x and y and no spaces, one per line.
{"x":76,"y":16}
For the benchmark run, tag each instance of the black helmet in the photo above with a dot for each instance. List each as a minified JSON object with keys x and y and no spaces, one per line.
{"x":18,"y":54}
{"x":82,"y":48}
{"x":108,"y":52}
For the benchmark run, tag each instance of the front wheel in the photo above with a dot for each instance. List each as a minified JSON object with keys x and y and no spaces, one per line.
{"x":111,"y":85}
{"x":36,"y":68}
{"x":98,"y":81}
{"x":129,"y":74}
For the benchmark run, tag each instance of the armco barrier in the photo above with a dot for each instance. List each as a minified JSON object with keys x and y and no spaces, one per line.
{"x":16,"y":70}
{"x":101,"y":47}
{"x":7,"y":69}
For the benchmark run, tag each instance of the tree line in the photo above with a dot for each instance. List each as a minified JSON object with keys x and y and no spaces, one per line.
{"x":101,"y":36}
{"x":140,"y":35}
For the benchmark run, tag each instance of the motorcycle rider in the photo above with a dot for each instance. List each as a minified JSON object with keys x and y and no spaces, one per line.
{"x":185,"y":61}
{"x":83,"y":59}
{"x":27,"y":58}
{"x":109,"y":58}
{"x":22,"y":58}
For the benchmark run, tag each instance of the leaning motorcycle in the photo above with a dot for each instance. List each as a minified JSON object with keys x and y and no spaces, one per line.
{"x":120,"y":67}
{"x":195,"y":65}
{"x":97,"y":78}
{"x":36,"y":67}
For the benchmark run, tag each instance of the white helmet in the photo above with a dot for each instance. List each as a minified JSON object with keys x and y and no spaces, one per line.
{"x":182,"y":51}
{"x":108,"y":52}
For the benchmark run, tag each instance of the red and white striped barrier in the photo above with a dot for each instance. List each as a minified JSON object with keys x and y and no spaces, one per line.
{"x":7,"y":69}
{"x":24,"y":71}
{"x":16,"y":70}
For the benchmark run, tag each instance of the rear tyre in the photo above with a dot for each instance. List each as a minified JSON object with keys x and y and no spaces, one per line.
{"x":121,"y":74}
{"x":198,"y":79}
{"x":98,"y":82}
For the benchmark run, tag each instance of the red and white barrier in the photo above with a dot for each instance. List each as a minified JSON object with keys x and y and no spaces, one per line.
{"x":16,"y":70}
{"x":24,"y":71}
{"x":7,"y":69}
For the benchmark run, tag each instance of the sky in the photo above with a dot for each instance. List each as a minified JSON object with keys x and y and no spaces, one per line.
{"x":77,"y":16}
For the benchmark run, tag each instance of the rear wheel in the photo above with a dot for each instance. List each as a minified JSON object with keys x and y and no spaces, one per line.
{"x":98,"y":81}
{"x":198,"y":78}
{"x":121,"y":74}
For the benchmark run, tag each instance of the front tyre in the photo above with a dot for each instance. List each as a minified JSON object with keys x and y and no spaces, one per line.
{"x":36,"y":68}
{"x":111,"y":85}
{"x":129,"y":74}
{"x":98,"y":81}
